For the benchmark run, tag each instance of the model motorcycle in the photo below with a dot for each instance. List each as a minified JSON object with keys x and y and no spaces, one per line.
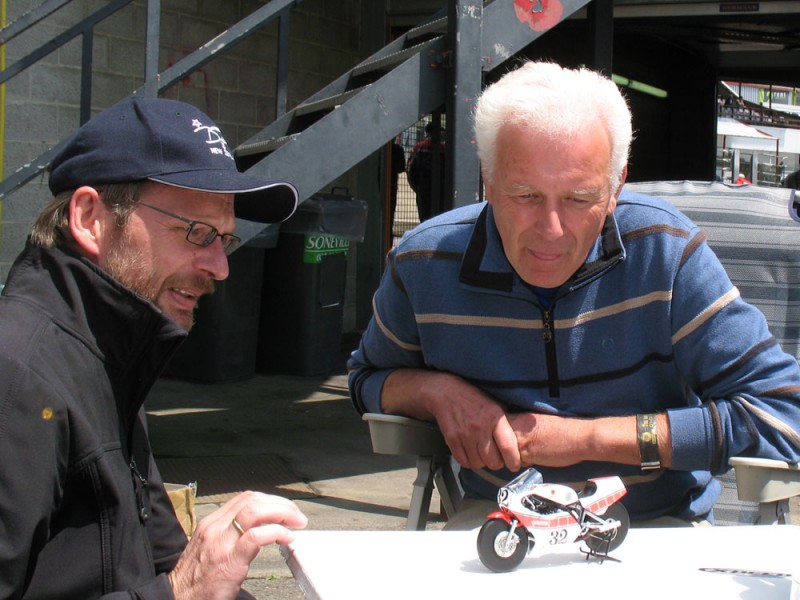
{"x":533,"y":512}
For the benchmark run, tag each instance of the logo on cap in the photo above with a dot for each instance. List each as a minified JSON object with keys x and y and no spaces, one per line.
{"x":213,"y":138}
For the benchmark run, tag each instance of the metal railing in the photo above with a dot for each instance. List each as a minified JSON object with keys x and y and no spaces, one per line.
{"x":759,"y":115}
{"x":84,"y":29}
{"x":155,"y":82}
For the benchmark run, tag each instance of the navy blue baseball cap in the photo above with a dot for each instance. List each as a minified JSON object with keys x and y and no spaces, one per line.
{"x":170,"y":142}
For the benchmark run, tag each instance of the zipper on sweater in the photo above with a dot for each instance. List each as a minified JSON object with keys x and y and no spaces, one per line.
{"x":549,"y":338}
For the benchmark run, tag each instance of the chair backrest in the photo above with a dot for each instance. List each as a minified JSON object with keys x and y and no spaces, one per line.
{"x":755,"y":232}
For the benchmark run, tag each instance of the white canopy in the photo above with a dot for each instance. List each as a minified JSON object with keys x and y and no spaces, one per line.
{"x":736,"y":134}
{"x":731,"y":127}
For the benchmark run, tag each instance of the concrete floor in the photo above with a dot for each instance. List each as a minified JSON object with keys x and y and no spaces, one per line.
{"x":294,"y":436}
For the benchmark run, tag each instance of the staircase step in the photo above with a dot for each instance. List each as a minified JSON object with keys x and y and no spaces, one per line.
{"x":265,"y":146}
{"x":325,"y":104}
{"x":437,"y":26}
{"x":386,"y":63}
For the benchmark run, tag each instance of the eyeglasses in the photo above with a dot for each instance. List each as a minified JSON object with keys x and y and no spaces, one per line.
{"x":199,"y":233}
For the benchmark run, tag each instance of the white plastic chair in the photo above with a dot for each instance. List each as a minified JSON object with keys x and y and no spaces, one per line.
{"x":392,"y":434}
{"x":771,"y":483}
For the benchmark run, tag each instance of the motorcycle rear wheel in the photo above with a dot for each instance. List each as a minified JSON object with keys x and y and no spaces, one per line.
{"x":496,"y":551}
{"x":604,"y":543}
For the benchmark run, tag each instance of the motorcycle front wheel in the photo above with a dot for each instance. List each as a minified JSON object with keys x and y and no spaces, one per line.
{"x":499,"y":549}
{"x":610,"y":540}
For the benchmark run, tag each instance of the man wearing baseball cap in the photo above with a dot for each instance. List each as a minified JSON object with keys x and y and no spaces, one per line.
{"x":140,"y":226}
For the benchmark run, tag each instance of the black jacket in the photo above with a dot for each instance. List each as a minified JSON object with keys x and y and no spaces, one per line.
{"x":79,"y":353}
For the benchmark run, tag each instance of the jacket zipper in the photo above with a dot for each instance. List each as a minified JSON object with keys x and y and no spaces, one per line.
{"x":549,"y":338}
{"x":140,"y":487}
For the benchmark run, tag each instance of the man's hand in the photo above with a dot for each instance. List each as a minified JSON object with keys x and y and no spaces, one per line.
{"x":480,"y":433}
{"x":215,"y":562}
{"x":475,"y":426}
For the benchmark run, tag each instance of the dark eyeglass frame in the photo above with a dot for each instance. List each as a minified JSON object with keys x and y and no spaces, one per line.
{"x":229,"y":241}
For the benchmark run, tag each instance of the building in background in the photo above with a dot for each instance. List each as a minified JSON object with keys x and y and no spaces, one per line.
{"x":758,"y":132}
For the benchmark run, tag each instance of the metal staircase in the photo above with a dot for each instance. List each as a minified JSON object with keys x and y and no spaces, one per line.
{"x":418,"y":73}
{"x":437,"y":66}
{"x":155,"y":82}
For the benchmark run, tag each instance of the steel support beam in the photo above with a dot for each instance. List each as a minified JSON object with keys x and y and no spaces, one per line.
{"x":465,"y":42}
{"x":151,"y":45}
{"x":87,"y":46}
{"x":282,"y":75}
{"x":601,"y":26}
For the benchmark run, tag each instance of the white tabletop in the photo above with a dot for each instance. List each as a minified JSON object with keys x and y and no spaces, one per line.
{"x":653,"y":563}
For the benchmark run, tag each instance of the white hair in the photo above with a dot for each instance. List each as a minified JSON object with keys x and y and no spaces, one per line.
{"x":548,"y":99}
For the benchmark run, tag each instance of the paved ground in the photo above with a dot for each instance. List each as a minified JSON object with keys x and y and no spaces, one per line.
{"x":294,"y":436}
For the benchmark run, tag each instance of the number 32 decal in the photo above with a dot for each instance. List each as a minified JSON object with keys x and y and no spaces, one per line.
{"x":558,"y":536}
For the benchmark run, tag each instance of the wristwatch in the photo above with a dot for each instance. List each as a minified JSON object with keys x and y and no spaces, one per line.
{"x":648,"y":441}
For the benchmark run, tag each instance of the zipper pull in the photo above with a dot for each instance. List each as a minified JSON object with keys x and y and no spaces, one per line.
{"x":141,"y":492}
{"x":547,"y":327}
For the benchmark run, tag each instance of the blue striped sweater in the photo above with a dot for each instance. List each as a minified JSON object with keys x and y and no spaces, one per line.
{"x":650,"y":323}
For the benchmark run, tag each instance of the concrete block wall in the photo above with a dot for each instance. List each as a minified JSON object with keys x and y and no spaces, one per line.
{"x":237,"y":88}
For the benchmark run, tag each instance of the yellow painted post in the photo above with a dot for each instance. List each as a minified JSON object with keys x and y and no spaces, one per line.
{"x":2,"y":106}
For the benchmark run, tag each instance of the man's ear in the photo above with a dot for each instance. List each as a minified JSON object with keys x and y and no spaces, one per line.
{"x":613,"y":204}
{"x":89,"y":220}
{"x":622,"y":179}
{"x":488,"y":190}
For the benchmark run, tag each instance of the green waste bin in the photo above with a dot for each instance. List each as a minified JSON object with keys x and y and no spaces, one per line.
{"x":304,"y":286}
{"x":223,"y":343}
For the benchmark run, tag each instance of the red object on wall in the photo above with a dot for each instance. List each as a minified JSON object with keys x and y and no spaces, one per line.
{"x":540,"y":15}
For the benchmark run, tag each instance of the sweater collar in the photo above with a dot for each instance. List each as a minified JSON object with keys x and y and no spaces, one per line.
{"x":485,"y":264}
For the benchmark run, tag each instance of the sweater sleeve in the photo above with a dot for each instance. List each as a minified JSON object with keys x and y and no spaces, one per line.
{"x":390,"y":341}
{"x":747,"y":389}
